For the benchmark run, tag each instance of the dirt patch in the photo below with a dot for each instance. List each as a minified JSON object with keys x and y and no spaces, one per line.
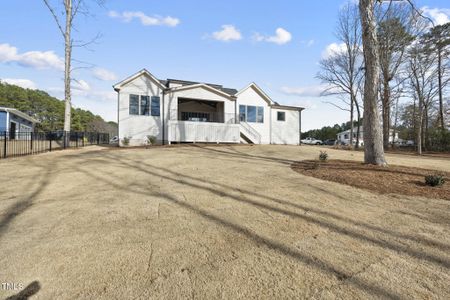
{"x":384,"y":180}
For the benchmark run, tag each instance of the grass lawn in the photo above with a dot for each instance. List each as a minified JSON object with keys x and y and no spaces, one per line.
{"x":214,"y":222}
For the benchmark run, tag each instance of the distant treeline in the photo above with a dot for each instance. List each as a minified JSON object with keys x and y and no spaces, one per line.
{"x":49,"y":111}
{"x":328,"y":132}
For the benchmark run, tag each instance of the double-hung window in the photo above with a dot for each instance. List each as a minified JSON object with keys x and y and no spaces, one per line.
{"x":145,"y":105}
{"x":155,"y":106}
{"x":134,"y":105}
{"x":281,"y":116}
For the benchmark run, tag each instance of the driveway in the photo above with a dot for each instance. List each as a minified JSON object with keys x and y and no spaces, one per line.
{"x":213,"y":222}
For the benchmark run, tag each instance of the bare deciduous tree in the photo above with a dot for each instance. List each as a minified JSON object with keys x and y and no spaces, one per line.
{"x":64,"y":15}
{"x":342,"y":70}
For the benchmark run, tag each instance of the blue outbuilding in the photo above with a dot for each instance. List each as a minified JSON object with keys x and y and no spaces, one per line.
{"x":15,"y":122}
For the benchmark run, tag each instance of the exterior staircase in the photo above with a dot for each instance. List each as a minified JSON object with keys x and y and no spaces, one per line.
{"x":248,"y":134}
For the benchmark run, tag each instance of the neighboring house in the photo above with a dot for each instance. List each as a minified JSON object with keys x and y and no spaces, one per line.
{"x":15,"y":122}
{"x":184,"y":111}
{"x":344,"y":136}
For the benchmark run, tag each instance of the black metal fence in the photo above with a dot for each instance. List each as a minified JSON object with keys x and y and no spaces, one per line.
{"x":14,"y":144}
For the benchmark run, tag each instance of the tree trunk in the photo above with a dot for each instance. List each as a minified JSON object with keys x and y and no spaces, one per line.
{"x":394,"y":131}
{"x":419,"y":128}
{"x":67,"y":65}
{"x":358,"y":113}
{"x":373,"y":137}
{"x":351,"y":121}
{"x":386,"y":113}
{"x":441,"y":105}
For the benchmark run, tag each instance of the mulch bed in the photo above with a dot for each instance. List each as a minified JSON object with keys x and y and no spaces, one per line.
{"x":383,"y":180}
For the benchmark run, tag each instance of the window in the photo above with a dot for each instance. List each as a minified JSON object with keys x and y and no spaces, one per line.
{"x":242,"y":113}
{"x":281,"y":116}
{"x":253,"y":114}
{"x":145,"y":105}
{"x":260,"y":114}
{"x":155,"y":106}
{"x":134,"y":105}
{"x":194,"y":116}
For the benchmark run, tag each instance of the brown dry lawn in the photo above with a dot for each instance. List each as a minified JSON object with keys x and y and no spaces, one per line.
{"x":214,"y":222}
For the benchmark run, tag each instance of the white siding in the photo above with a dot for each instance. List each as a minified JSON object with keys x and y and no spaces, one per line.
{"x":251,"y":97}
{"x":288,"y":131}
{"x":137,"y":127}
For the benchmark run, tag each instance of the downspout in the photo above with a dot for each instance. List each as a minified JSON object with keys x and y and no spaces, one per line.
{"x":300,"y":127}
{"x":118,"y":116}
{"x":163,"y":123}
{"x":270,"y":125}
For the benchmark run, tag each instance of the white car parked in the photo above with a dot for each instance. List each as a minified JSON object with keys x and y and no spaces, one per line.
{"x":311,"y":141}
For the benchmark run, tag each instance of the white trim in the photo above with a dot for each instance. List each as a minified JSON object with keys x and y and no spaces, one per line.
{"x":200,"y":85}
{"x":258,"y":90}
{"x":19,"y":114}
{"x":120,"y":84}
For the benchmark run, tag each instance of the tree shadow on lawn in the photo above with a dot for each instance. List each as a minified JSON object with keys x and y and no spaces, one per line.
{"x":275,"y":245}
{"x":27,"y":292}
{"x":21,"y":205}
{"x":146,"y":168}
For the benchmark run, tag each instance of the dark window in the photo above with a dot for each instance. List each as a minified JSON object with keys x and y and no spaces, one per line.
{"x":281,"y":116}
{"x":260,"y":114}
{"x":145,"y":105}
{"x":242,"y":113}
{"x":195,"y":116}
{"x":251,"y":114}
{"x":134,"y":105}
{"x":155,"y":106}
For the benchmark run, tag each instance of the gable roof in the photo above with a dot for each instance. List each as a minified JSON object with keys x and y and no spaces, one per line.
{"x":229,"y":91}
{"x":258,"y":90}
{"x":202,"y":85}
{"x":119,"y":85}
{"x":19,"y":113}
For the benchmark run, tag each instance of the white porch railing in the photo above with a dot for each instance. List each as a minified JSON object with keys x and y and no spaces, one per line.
{"x":203,"y":132}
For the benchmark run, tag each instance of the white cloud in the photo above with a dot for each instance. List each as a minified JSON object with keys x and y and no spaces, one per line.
{"x":33,"y":59}
{"x":228,"y":33}
{"x":104,"y":74}
{"x":82,"y":90}
{"x":304,"y":91}
{"x":439,"y":16}
{"x":25,"y":83}
{"x":281,"y":37}
{"x":128,"y":16}
{"x":333,"y":49}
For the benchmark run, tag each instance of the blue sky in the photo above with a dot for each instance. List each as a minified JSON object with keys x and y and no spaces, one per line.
{"x":276,"y":44}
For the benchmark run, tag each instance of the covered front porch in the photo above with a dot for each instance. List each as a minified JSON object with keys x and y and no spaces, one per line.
{"x":202,"y":113}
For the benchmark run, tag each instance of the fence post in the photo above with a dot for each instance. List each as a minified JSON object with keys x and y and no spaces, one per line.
{"x":31,"y":141}
{"x":50,"y":146}
{"x":98,"y":138}
{"x":4,"y":146}
{"x":76,"y":138}
{"x":65,"y":139}
{"x":83,"y":135}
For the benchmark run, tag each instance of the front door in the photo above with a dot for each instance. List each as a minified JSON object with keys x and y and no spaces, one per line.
{"x":12,"y":131}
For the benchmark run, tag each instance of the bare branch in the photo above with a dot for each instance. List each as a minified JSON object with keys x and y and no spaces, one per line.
{"x":52,"y":11}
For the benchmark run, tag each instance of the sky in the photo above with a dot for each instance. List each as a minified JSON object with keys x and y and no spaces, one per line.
{"x":276,"y":44}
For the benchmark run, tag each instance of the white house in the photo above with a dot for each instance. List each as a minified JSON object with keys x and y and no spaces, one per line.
{"x":344,"y":136}
{"x":184,"y":111}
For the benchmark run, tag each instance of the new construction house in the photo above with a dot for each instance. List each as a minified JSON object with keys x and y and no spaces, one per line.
{"x":184,"y":111}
